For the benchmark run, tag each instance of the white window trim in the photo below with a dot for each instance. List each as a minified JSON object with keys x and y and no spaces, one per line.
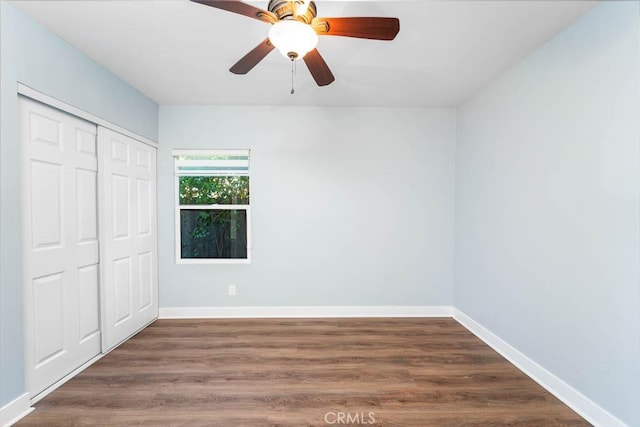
{"x":178,"y":208}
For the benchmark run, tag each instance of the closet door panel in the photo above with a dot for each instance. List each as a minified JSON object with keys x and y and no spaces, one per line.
{"x":129,"y":246}
{"x":145,"y":270}
{"x":122,"y":292}
{"x":87,"y":206}
{"x":47,"y":202}
{"x":49,"y":318}
{"x":60,"y":230}
{"x":88,"y":302}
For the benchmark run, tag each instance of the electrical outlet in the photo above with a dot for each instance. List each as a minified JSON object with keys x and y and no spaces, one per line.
{"x":232,"y":289}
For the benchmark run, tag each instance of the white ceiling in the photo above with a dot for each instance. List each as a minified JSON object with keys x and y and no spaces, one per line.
{"x":179,"y":52}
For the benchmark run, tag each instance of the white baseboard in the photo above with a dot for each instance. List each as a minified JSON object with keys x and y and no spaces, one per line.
{"x":304,"y":312}
{"x":15,"y":410}
{"x":585,"y":407}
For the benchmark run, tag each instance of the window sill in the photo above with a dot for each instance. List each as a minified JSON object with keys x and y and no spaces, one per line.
{"x":212,"y":261}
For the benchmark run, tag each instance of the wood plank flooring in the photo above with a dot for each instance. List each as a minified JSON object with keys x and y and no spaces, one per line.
{"x":302,"y":372}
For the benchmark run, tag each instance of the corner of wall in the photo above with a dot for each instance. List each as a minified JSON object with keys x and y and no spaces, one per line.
{"x":571,"y":397}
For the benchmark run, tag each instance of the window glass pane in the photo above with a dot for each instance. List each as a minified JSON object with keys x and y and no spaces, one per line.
{"x":214,"y":190}
{"x":210,"y":233}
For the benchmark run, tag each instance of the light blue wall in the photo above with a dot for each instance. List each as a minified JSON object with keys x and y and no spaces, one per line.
{"x":351,"y":206}
{"x":547,"y":208}
{"x":36,"y":57}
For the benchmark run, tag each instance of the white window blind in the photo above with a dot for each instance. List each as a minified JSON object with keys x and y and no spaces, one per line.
{"x":212,"y":163}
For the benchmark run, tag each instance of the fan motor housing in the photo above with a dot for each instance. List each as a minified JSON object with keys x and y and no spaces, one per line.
{"x":284,"y":9}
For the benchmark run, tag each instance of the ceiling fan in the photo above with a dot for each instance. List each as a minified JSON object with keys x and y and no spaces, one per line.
{"x":295,"y":29}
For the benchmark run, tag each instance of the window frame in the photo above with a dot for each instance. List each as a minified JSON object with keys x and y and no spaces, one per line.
{"x":178,"y":207}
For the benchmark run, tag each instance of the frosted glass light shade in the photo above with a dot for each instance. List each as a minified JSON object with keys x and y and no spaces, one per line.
{"x":294,"y":39}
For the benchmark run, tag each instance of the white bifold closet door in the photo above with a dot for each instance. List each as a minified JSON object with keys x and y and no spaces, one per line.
{"x":60,"y":243}
{"x":128,"y":241}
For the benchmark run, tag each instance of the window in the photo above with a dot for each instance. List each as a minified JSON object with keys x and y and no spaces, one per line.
{"x":212,"y":206}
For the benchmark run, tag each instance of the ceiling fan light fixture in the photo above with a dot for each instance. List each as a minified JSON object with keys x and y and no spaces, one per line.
{"x":294,"y":39}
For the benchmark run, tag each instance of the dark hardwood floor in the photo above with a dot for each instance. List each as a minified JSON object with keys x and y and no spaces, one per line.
{"x":302,"y":372}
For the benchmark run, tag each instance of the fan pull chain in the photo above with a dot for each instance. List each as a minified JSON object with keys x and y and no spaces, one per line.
{"x":293,"y":69}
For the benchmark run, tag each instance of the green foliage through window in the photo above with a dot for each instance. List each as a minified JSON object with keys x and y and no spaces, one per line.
{"x":214,"y":190}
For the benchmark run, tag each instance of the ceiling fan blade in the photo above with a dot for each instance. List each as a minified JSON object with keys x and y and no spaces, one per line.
{"x":252,"y":58}
{"x":240,"y":8}
{"x":362,"y":27}
{"x":318,"y":68}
